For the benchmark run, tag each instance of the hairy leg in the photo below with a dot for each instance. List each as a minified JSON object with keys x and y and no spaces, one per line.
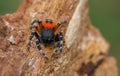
{"x":59,"y":39}
{"x":39,"y":48}
{"x":30,"y":39}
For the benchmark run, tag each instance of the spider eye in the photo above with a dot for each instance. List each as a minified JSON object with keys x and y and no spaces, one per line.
{"x":51,"y":21}
{"x":47,"y":21}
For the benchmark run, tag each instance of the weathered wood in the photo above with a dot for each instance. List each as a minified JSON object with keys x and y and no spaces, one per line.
{"x":85,"y":51}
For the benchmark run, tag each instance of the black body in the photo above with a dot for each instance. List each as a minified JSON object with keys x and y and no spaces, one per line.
{"x":47,"y":36}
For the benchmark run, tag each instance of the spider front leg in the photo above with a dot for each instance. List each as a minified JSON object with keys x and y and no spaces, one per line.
{"x":37,"y":44}
{"x":39,"y":48}
{"x":59,"y":38}
{"x":62,"y":22}
{"x":30,"y":39}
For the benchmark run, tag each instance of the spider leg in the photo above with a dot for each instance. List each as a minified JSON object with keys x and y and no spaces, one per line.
{"x":35,"y":21}
{"x":59,"y":38}
{"x":30,"y":39}
{"x":62,"y":22}
{"x":39,"y":48}
{"x":38,"y":41}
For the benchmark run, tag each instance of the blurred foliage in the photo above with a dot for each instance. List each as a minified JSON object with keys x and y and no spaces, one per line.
{"x":9,"y":6}
{"x":104,"y":14}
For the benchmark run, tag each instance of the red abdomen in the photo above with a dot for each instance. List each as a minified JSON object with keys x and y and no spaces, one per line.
{"x":48,"y":25}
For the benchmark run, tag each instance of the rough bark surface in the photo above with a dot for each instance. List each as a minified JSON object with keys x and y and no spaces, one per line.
{"x":85,"y":51}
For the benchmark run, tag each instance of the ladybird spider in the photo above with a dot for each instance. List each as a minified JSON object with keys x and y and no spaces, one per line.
{"x":44,"y":33}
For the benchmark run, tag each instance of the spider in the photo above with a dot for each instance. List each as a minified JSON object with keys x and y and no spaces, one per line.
{"x":44,"y":32}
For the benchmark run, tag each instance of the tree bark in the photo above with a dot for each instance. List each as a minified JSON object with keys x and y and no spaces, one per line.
{"x":85,"y":52}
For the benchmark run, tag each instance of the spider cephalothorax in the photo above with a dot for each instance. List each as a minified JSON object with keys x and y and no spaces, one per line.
{"x":45,"y":33}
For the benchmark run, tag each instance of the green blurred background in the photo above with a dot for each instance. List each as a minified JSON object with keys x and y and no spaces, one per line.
{"x":104,"y":14}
